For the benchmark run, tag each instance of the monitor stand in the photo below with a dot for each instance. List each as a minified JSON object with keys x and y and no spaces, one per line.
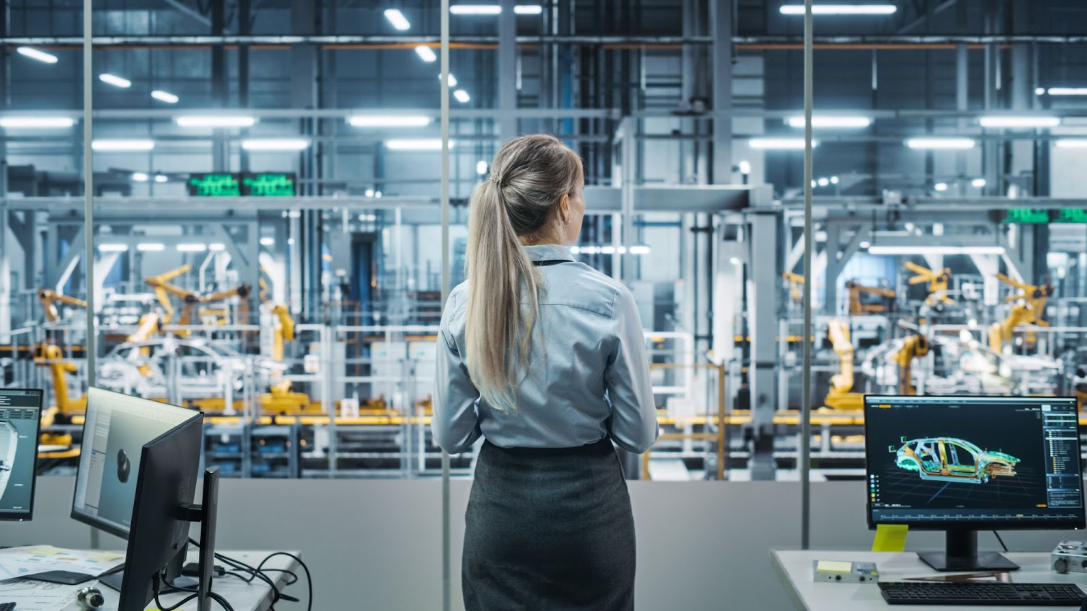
{"x":962,"y":555}
{"x":114,"y":580}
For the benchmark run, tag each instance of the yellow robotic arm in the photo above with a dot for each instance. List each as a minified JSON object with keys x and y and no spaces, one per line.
{"x":1034,"y":298}
{"x":796,"y":286}
{"x":841,"y":384}
{"x":163,"y":290}
{"x":915,"y":346}
{"x":51,"y":356}
{"x":938,"y":282}
{"x":858,"y":307}
{"x":49,"y":300}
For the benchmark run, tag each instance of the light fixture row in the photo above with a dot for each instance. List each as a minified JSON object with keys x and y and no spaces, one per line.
{"x":159,"y":247}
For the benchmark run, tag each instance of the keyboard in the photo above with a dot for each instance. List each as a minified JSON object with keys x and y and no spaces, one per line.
{"x":989,"y":594}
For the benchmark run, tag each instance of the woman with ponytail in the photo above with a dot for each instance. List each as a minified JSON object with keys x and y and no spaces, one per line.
{"x":543,"y":358}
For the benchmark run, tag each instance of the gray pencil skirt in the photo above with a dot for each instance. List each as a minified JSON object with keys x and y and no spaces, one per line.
{"x":549,"y":529}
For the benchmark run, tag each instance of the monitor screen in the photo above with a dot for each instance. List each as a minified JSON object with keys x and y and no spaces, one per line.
{"x":20,"y":422}
{"x":973,"y":462}
{"x":116,"y":429}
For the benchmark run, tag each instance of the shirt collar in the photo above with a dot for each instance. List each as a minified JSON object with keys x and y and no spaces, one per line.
{"x":549,"y":252}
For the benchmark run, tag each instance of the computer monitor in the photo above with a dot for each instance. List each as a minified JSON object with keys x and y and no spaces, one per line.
{"x":20,"y":425}
{"x":114,"y":434}
{"x":163,"y":509}
{"x":969,"y":463}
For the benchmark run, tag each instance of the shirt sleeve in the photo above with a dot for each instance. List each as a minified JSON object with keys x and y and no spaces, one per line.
{"x":633,"y":422}
{"x":455,"y":424}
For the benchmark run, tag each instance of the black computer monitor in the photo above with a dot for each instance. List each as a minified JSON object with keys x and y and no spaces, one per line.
{"x":114,"y":434}
{"x":969,"y":463}
{"x":161,"y":514}
{"x":20,"y":425}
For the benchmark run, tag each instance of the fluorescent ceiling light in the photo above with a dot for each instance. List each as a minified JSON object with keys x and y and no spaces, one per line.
{"x":1072,"y":143}
{"x":139,"y":177}
{"x":831,"y":121}
{"x":462,"y":96}
{"x":639,"y":250}
{"x":113,"y":247}
{"x":420,"y":144}
{"x":1068,"y":91}
{"x":115,"y":80}
{"x":41,"y":56}
{"x":122,"y":145}
{"x":1039,"y":91}
{"x":779,"y":143}
{"x":388,"y":121}
{"x":216,"y":247}
{"x":940,"y":143}
{"x":823,"y":182}
{"x":528,"y":9}
{"x":936,"y":250}
{"x":37,"y":122}
{"x":1006,"y":121}
{"x":940,"y":186}
{"x":161,"y":178}
{"x":841,"y":9}
{"x":475,"y":9}
{"x":978,"y":182}
{"x":745,"y":167}
{"x":267,"y":241}
{"x":215,"y":121}
{"x":275,"y":144}
{"x":164,"y":96}
{"x":452,"y":80}
{"x":369,"y":193}
{"x":377,"y":194}
{"x":150,"y":247}
{"x":192,"y":247}
{"x":426,"y":53}
{"x":481,"y":167}
{"x":397,"y":19}
{"x":833,"y":180}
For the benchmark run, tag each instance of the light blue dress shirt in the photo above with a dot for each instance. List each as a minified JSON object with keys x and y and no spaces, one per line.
{"x":588,"y":378}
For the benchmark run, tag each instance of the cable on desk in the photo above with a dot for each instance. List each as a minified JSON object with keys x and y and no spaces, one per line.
{"x":277,"y":595}
{"x":309,"y":580}
{"x":1001,"y":541}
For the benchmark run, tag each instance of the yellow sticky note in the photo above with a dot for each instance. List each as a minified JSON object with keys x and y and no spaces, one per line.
{"x":890,"y":538}
{"x":828,"y":566}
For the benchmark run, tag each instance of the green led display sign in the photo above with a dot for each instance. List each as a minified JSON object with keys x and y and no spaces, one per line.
{"x":268,"y":185}
{"x":1071,"y":215}
{"x":1026,"y":216}
{"x":1039,"y":216}
{"x":241,"y":185}
{"x":214,"y":185}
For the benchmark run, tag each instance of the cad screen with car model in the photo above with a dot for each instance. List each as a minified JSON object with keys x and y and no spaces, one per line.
{"x":114,"y":434}
{"x":20,"y":415}
{"x":944,"y":460}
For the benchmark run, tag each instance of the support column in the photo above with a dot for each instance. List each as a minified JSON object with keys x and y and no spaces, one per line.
{"x":833,"y":269}
{"x":507,"y":70}
{"x":244,"y":29}
{"x":762,"y":314}
{"x":220,"y":149}
{"x":962,"y":99}
{"x":721,"y":24}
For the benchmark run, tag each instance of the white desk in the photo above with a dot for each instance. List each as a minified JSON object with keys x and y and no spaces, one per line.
{"x":256,"y":596}
{"x":794,"y":568}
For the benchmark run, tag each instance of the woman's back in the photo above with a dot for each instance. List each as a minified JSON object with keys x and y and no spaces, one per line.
{"x":578,"y":384}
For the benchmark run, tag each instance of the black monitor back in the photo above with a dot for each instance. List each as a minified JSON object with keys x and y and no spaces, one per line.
{"x":166,"y":483}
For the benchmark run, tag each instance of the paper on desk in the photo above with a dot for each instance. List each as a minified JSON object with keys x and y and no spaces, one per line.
{"x":37,"y":595}
{"x":890,"y":538}
{"x":21,"y":561}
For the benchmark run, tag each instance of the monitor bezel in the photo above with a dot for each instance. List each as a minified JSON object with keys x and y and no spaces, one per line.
{"x":96,"y":522}
{"x":28,"y":515}
{"x":975,"y":525}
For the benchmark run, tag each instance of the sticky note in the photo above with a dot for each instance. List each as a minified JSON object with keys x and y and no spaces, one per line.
{"x":890,"y":538}
{"x":829,"y":566}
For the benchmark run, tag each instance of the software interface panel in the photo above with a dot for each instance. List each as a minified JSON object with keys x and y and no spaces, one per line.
{"x":973,"y":459}
{"x":115,"y":432}
{"x":20,"y":412}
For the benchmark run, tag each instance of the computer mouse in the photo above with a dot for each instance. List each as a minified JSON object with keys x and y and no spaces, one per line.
{"x":90,"y":598}
{"x":124,"y":466}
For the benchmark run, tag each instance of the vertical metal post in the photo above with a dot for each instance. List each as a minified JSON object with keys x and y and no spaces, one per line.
{"x":446,"y":544}
{"x":88,"y":189}
{"x":805,"y":407}
{"x":721,"y":22}
{"x":507,"y":70}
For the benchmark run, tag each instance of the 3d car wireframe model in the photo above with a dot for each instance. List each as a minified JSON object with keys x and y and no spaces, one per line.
{"x":950,"y":459}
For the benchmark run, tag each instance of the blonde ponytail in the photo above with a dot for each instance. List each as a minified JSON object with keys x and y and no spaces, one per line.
{"x":529,"y":176}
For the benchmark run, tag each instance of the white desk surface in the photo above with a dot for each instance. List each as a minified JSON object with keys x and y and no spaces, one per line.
{"x":256,"y":596}
{"x":794,"y":568}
